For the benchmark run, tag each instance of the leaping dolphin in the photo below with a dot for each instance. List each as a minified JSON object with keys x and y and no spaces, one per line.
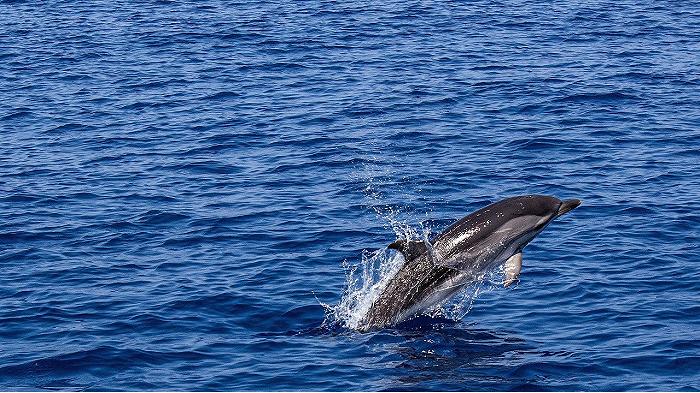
{"x":435,"y":271}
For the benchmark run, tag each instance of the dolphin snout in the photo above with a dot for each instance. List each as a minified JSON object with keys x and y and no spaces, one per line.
{"x":567,"y":206}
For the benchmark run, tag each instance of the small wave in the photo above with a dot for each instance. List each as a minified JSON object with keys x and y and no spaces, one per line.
{"x":597,"y":97}
{"x":222,"y":95}
{"x":17,"y":114}
{"x":157,"y":217}
{"x":71,"y":127}
{"x":20,"y":197}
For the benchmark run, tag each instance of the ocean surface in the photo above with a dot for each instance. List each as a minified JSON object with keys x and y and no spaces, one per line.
{"x":192,"y":193}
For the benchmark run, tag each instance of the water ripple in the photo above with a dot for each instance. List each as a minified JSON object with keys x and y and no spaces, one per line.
{"x":184,"y":186}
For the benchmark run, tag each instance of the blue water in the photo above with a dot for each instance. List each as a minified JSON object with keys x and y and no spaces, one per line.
{"x":185,"y":186}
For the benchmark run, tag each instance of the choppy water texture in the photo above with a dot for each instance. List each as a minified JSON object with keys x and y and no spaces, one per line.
{"x":181,"y":182}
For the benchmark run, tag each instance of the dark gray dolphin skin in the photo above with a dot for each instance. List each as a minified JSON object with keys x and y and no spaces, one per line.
{"x":435,"y":271}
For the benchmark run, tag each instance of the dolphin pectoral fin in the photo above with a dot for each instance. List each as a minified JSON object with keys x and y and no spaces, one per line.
{"x":513,"y":266}
{"x":410,"y":249}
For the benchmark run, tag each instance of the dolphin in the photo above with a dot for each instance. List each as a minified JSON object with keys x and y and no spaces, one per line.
{"x":436,"y":270}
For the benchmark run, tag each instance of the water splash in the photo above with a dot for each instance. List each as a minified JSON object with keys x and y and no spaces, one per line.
{"x":461,"y":304}
{"x":366,"y":280}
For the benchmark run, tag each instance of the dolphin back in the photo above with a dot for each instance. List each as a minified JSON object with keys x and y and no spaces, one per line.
{"x":499,"y":228}
{"x":496,"y":214}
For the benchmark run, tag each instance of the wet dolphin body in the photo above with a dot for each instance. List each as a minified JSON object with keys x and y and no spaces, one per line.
{"x":435,"y":271}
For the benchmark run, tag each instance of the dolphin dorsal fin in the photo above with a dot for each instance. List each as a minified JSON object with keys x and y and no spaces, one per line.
{"x":411,"y":249}
{"x":513,"y":266}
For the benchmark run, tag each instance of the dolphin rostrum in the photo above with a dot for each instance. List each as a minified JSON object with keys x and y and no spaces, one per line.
{"x":436,"y":270}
